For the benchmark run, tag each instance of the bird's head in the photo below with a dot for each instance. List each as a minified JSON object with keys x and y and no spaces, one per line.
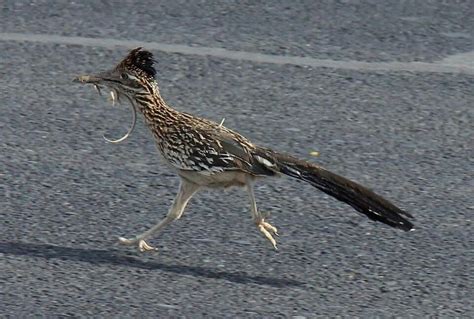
{"x":134,"y":74}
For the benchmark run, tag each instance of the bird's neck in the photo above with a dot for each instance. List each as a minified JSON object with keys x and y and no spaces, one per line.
{"x":158,"y":115}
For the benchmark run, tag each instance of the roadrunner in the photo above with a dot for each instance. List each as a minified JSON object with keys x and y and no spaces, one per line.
{"x":205,"y":154}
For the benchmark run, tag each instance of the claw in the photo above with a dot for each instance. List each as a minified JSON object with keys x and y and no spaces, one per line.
{"x":268,"y":226}
{"x":268,"y":230}
{"x":268,"y":236}
{"x":142,"y":244}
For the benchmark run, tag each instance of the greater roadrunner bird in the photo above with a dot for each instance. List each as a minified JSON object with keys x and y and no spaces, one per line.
{"x":207,"y":154}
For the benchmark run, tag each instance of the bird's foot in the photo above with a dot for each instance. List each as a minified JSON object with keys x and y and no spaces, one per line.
{"x":268,"y":231}
{"x":140,"y":243}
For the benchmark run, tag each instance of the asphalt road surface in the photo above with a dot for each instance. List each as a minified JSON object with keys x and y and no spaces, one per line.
{"x":392,"y":109}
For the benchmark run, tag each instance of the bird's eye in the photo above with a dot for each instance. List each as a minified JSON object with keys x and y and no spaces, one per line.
{"x":124,"y":76}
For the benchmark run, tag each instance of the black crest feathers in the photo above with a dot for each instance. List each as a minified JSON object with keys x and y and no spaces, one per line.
{"x":141,"y":61}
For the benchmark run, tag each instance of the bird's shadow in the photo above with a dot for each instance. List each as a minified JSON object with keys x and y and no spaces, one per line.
{"x":116,"y":257}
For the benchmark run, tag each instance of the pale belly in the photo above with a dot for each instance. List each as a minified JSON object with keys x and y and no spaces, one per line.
{"x":218,"y":180}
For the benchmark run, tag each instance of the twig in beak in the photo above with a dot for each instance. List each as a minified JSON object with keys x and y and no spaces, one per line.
{"x":130,"y":130}
{"x":117,"y":95}
{"x":112,"y":97}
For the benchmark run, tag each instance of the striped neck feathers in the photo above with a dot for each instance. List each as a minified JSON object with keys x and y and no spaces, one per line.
{"x":152,"y":105}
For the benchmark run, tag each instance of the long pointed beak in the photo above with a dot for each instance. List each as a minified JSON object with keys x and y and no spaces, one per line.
{"x":95,"y":80}
{"x":98,"y":78}
{"x":92,"y":79}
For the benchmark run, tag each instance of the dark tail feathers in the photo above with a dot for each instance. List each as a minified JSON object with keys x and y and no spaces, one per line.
{"x":359,"y":197}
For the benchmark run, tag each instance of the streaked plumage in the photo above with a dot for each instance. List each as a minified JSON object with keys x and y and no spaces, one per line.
{"x":207,"y":154}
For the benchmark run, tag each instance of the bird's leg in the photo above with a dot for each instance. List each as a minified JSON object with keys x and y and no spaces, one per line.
{"x":185,"y":192}
{"x":265,"y":228}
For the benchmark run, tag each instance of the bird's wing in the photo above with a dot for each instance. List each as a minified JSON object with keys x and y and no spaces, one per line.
{"x":211,"y":148}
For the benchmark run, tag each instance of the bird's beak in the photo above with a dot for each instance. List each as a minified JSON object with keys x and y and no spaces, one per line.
{"x":91,"y":79}
{"x":99,"y":81}
{"x":96,"y":80}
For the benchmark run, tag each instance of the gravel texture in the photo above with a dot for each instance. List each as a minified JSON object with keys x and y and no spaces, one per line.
{"x":66,"y":195}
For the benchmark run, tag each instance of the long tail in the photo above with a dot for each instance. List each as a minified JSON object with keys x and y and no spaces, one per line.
{"x":359,"y":197}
